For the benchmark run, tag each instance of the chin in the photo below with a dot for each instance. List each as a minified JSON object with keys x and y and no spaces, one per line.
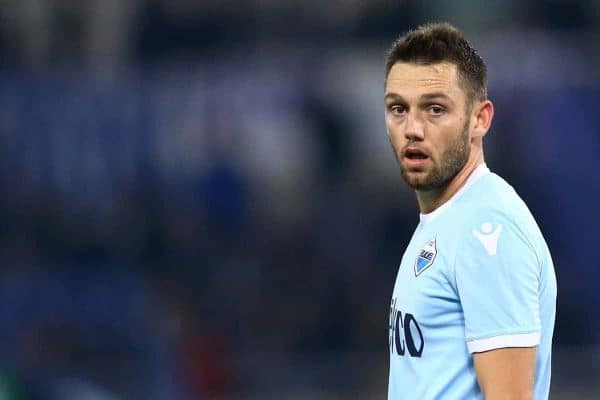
{"x":417,"y":180}
{"x":423,"y":181}
{"x":421,"y":186}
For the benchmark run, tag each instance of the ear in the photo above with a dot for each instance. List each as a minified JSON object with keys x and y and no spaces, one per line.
{"x":483,"y":113}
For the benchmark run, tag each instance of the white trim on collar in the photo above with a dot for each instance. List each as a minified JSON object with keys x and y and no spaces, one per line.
{"x":479,"y":172}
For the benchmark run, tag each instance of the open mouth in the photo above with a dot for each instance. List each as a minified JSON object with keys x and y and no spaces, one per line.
{"x":415,"y":154}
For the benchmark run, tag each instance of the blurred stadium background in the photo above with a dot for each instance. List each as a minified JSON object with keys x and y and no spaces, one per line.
{"x":198,"y":199}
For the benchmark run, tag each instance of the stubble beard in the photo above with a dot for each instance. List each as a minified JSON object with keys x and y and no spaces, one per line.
{"x":451,"y":161}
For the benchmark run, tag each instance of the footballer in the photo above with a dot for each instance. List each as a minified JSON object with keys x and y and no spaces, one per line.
{"x":473,"y":307}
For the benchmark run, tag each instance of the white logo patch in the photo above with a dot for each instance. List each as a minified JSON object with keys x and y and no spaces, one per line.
{"x":488,"y":236}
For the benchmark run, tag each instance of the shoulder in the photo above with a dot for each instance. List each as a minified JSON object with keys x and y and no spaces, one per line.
{"x":495,"y":220}
{"x":493,"y":201}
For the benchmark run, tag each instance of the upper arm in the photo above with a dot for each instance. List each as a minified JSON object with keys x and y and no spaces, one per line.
{"x":497,"y":280}
{"x":506,"y":373}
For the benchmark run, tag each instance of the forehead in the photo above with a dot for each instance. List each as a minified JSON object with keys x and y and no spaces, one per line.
{"x":409,"y":78}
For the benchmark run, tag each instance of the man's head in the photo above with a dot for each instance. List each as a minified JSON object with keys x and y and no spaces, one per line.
{"x":436,"y":43}
{"x":436,"y":104}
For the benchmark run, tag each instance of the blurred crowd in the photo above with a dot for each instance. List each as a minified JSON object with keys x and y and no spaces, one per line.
{"x":113,"y":31}
{"x":195,"y":193}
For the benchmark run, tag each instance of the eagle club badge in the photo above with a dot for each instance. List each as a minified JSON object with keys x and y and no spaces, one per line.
{"x":426,"y":257}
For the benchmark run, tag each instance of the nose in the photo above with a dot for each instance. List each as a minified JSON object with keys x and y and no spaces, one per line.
{"x":414,"y":128}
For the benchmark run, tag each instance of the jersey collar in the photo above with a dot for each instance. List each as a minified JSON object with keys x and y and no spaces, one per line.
{"x":479,"y":172}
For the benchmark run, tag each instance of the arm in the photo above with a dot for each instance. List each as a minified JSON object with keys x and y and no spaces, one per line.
{"x":499,"y":292}
{"x":506,"y":374}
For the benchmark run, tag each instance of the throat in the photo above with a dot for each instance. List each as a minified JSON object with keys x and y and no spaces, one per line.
{"x":430,"y":200}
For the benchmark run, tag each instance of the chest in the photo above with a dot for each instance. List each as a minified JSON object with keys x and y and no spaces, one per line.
{"x":424,"y":284}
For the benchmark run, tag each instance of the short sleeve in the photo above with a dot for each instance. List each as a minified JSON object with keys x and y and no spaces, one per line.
{"x":497,"y":279}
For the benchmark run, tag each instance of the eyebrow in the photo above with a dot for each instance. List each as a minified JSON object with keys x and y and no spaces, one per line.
{"x":393,"y":96}
{"x":435,"y":95}
{"x":424,"y":97}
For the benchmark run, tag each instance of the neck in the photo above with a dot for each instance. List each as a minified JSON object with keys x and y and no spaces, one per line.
{"x":431,"y":199}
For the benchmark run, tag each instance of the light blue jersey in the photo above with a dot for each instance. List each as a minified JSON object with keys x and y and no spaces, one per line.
{"x":477,"y":275}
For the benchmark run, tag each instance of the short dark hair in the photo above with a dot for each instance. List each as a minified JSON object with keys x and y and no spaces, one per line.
{"x":439,"y":42}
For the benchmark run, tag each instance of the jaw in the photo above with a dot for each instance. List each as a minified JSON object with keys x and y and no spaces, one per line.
{"x":430,"y":198}
{"x":421,"y":179}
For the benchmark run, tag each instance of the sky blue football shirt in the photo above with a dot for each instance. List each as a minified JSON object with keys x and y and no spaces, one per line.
{"x":477,"y":275}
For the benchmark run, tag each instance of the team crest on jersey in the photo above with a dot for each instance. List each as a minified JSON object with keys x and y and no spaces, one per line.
{"x":426,"y":257}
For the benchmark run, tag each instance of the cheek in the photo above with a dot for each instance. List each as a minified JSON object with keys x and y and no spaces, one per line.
{"x":388,"y":126}
{"x":395,"y":137}
{"x":393,"y":129}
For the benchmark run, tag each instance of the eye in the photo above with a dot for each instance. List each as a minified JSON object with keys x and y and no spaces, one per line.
{"x":397,"y":109}
{"x":436,"y":110}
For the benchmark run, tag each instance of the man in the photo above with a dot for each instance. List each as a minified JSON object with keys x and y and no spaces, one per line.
{"x":473,"y":307}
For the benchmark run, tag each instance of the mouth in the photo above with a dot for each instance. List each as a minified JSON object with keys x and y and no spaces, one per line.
{"x":415,"y":158}
{"x":415,"y":154}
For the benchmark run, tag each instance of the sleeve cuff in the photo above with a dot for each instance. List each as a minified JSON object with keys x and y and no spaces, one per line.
{"x":498,"y":342}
